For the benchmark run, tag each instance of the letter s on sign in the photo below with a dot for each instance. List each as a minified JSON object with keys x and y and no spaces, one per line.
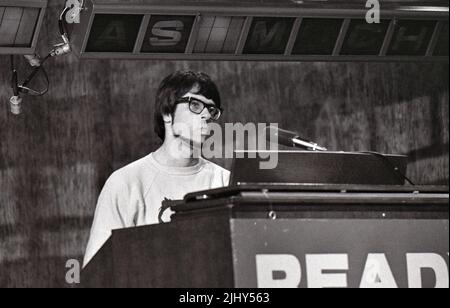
{"x":167,"y":33}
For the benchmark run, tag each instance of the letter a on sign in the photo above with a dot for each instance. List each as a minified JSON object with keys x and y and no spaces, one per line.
{"x":377,"y":273}
{"x":114,"y":32}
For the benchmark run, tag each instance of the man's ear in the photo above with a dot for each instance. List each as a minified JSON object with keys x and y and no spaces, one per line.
{"x":167,"y":118}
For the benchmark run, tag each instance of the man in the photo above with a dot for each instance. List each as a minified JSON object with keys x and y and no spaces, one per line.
{"x":185,"y":103}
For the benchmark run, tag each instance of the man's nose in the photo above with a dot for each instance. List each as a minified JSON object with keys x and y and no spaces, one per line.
{"x":206,"y":115}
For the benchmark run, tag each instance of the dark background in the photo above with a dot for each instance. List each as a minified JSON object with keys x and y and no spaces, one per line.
{"x":98,"y":116}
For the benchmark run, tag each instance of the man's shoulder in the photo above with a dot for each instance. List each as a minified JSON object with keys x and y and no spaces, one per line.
{"x":133,"y":173}
{"x":220,"y":174}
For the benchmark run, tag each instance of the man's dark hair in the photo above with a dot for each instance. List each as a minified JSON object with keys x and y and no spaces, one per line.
{"x":173,"y":87}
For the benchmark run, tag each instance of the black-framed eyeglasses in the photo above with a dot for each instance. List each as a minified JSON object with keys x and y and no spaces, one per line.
{"x":197,"y":106}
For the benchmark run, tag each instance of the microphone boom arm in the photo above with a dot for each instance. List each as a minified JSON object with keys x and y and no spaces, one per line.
{"x":309,"y":145}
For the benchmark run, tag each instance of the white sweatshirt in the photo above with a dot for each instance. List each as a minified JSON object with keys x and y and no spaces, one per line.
{"x":132,"y":196}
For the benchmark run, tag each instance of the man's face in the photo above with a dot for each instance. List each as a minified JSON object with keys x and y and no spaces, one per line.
{"x":189,"y":125}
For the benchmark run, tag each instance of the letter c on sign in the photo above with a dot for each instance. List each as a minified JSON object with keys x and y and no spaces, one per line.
{"x":167,"y":33}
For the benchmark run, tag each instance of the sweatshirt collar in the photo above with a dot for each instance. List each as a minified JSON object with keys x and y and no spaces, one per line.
{"x":176,"y":170}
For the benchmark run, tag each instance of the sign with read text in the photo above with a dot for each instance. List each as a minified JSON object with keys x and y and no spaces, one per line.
{"x":341,"y":253}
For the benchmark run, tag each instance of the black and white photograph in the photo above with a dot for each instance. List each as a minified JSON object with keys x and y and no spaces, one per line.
{"x":224,"y":149}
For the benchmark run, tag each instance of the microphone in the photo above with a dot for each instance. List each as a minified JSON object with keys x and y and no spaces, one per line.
{"x":33,"y":60}
{"x":15,"y":105}
{"x":291,"y":139}
{"x":15,"y":102}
